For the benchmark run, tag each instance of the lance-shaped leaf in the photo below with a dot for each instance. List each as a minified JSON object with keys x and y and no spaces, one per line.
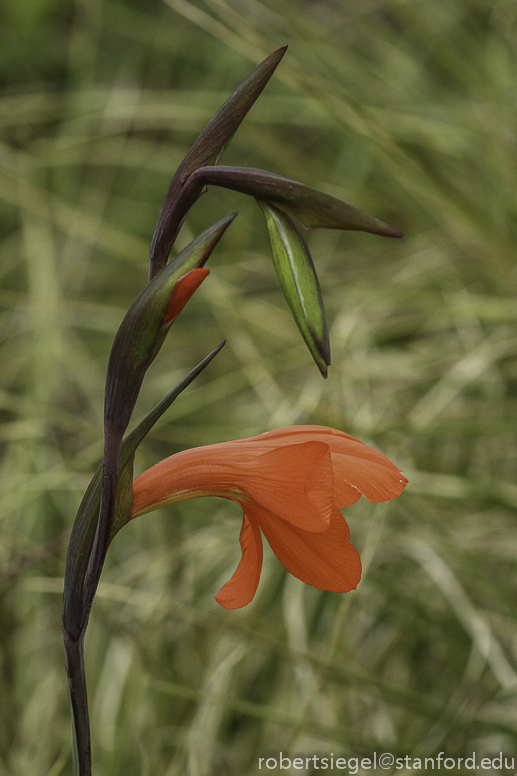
{"x":299,"y":282}
{"x":210,"y":144}
{"x":311,"y":207}
{"x":83,"y":531}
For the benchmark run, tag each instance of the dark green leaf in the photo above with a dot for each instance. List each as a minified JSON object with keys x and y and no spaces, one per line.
{"x":85,"y":524}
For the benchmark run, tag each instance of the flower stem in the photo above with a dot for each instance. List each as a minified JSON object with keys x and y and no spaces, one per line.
{"x":78,"y":705}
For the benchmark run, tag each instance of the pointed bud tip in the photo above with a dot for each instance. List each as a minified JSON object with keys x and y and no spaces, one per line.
{"x":275,"y":57}
{"x":326,"y":358}
{"x":225,"y":222}
{"x":321,"y":340}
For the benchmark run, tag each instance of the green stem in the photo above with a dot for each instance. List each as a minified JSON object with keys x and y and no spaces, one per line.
{"x":78,"y":705}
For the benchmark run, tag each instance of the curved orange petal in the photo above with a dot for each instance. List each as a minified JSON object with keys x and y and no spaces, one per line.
{"x":185,"y":287}
{"x":295,"y":482}
{"x":240,"y":589}
{"x":325,"y":560}
{"x":289,"y":435}
{"x":358,"y":468}
{"x":377,"y":479}
{"x":355,"y":464}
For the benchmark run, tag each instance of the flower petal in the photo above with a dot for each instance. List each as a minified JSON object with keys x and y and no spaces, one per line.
{"x":295,"y":482}
{"x":240,"y":589}
{"x":355,"y":464}
{"x":185,"y":287}
{"x":378,"y":480}
{"x":325,"y":560}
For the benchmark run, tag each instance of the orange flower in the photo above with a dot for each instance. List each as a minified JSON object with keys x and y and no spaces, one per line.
{"x":291,"y":483}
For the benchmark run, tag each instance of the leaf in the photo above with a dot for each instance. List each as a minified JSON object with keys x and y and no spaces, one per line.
{"x":299,"y":282}
{"x":83,"y":531}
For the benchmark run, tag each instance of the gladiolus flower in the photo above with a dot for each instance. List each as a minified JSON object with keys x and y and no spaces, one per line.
{"x":291,"y":484}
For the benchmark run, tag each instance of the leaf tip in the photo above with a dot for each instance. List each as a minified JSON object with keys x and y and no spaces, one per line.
{"x":218,"y":348}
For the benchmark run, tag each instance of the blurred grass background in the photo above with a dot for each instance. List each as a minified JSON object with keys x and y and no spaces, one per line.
{"x":404,"y":108}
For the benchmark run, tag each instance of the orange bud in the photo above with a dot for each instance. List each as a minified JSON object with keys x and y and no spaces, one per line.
{"x":185,"y":287}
